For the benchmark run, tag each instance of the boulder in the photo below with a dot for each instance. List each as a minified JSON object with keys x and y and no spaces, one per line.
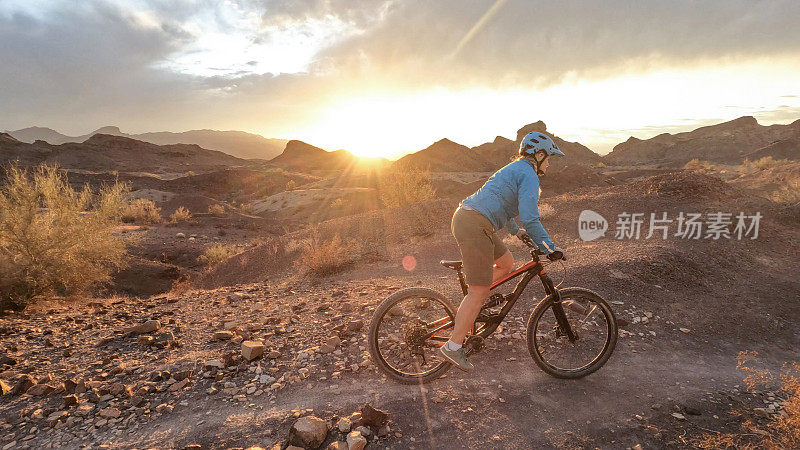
{"x":24,"y":383}
{"x":70,"y":400}
{"x":41,"y":389}
{"x":109,"y":413}
{"x":308,"y":432}
{"x":223,"y":335}
{"x":146,"y":327}
{"x":355,"y":441}
{"x":373,"y":417}
{"x":252,"y":350}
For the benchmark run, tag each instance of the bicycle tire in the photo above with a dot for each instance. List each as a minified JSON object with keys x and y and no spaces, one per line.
{"x":378,"y":315}
{"x":598,"y":362}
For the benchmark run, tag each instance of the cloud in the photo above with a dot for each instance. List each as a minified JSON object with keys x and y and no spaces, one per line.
{"x":535,"y":43}
{"x":79,"y":65}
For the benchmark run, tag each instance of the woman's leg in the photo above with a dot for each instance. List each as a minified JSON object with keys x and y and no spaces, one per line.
{"x":503,"y":265}
{"x":468,"y":311}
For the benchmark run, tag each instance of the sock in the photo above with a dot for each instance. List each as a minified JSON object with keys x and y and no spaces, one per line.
{"x":452,"y":346}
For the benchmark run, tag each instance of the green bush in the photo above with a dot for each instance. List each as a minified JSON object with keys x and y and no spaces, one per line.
{"x":54,"y":238}
{"x":142,"y":211}
{"x":403,"y":186}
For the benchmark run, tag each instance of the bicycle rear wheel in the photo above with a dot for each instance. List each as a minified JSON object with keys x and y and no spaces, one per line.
{"x":590,"y":319}
{"x":406,"y":332}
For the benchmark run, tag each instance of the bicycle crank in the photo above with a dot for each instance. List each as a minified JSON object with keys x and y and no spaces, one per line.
{"x":474,"y":344}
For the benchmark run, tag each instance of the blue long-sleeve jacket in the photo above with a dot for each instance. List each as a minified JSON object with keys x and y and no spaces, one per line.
{"x":511,"y":191}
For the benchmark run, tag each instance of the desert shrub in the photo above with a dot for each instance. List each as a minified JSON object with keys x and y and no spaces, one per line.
{"x":180,"y":215}
{"x":142,"y":211}
{"x":325,"y":257}
{"x":216,"y":210}
{"x":601,"y":164}
{"x":291,"y":185}
{"x":781,"y":430}
{"x":339,"y":203}
{"x":403,"y":186}
{"x":216,"y":253}
{"x":788,"y":193}
{"x":699,"y":164}
{"x":54,"y":238}
{"x":766,"y":162}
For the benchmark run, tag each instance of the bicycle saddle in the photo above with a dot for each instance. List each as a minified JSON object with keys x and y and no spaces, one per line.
{"x":455,"y":265}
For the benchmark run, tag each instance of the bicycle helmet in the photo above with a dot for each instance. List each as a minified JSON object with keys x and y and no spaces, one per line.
{"x":539,"y":146}
{"x":536,"y":142}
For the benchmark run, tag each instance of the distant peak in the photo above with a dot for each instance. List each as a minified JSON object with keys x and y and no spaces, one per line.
{"x":107,"y":130}
{"x":7,"y":137}
{"x":538,"y":127}
{"x":101,"y":138}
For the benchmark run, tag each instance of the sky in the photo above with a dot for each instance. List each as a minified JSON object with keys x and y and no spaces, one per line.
{"x":389,"y":77}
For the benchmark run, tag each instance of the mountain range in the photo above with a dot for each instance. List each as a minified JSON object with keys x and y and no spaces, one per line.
{"x":728,"y":143}
{"x":236,"y":143}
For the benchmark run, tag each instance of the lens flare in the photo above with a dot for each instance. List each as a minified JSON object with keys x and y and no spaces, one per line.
{"x":409,"y":262}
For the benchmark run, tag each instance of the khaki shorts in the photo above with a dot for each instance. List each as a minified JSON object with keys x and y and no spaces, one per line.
{"x":479,"y":245}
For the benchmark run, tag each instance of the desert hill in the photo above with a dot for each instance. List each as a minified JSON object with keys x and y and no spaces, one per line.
{"x":728,"y":142}
{"x":103,"y":152}
{"x":299,"y":155}
{"x":236,"y":143}
{"x":448,"y":156}
{"x":783,"y":149}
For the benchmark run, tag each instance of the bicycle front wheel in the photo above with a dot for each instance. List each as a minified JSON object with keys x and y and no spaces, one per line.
{"x":406,"y":332}
{"x":594,"y":329}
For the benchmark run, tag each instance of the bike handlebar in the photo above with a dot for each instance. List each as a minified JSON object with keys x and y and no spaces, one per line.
{"x":553,"y":256}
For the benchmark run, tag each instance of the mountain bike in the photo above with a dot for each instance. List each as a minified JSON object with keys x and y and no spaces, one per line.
{"x":570,"y":333}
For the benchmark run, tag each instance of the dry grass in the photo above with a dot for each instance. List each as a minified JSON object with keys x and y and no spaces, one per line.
{"x":326,"y":257}
{"x":789,"y":192}
{"x":766,"y":162}
{"x":216,"y":253}
{"x":291,"y":185}
{"x":180,"y":215}
{"x":53,"y":238}
{"x":780,"y":431}
{"x":400,"y":187}
{"x":216,"y":210}
{"x":142,"y":211}
{"x":699,"y":164}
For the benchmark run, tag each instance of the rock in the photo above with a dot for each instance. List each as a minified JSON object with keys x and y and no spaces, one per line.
{"x":344,"y":425}
{"x":69,"y":386}
{"x":223,"y":335}
{"x":355,"y":441}
{"x":678,"y":416}
{"x":147,"y":327}
{"x":41,"y":389}
{"x":273,"y":354}
{"x":685,"y":330}
{"x":180,"y":235}
{"x":308,"y":432}
{"x":214,"y":364}
{"x":373,"y":417}
{"x":384,"y":431}
{"x":183,"y":374}
{"x":761,"y":412}
{"x":365,"y":431}
{"x":70,"y":400}
{"x":179,"y":385}
{"x":109,"y":413}
{"x":337,"y":445}
{"x":294,"y":447}
{"x":164,"y":408}
{"x":252,"y":350}
{"x":119,"y":389}
{"x":325,"y":349}
{"x":6,"y":360}
{"x":24,"y":383}
{"x":5,"y":388}
{"x":355,"y":325}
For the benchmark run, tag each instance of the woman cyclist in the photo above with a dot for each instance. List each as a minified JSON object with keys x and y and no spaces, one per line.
{"x":512,"y":191}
